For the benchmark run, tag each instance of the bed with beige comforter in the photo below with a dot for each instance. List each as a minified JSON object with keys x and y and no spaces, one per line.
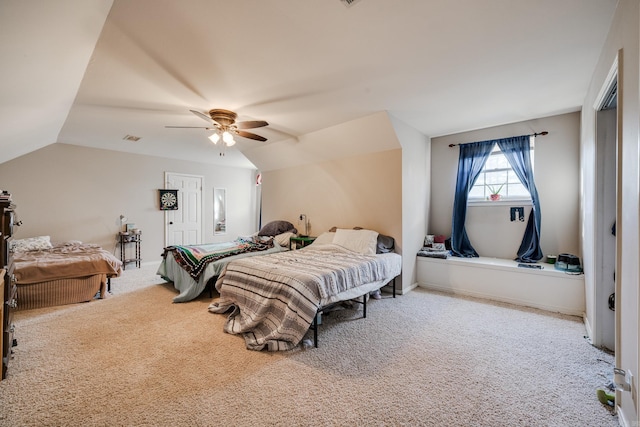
{"x":63,"y":274}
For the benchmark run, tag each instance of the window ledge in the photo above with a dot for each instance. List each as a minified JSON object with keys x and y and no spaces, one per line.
{"x":503,"y":202}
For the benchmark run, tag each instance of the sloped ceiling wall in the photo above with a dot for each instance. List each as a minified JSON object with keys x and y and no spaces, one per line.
{"x":369,"y":134}
{"x":44,"y":73}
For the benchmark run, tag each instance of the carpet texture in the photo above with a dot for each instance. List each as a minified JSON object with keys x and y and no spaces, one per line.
{"x":422,"y":359}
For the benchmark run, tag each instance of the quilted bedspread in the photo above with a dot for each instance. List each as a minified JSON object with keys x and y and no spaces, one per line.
{"x":64,"y":261}
{"x":195,"y":258}
{"x":274,"y":298}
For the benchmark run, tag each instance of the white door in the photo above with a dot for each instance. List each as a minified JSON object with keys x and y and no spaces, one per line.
{"x":184,"y":225}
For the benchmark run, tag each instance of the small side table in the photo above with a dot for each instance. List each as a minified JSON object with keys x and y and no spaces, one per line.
{"x":125,"y":238}
{"x":299,"y":242}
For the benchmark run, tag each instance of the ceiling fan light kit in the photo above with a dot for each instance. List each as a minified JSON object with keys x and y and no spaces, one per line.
{"x":215,"y":137}
{"x":225,"y":126}
{"x":228,"y":138}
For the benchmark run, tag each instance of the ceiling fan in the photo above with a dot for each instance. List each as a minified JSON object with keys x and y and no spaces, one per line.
{"x":224,"y":125}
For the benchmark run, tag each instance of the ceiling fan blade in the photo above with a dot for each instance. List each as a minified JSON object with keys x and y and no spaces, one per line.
{"x":201,"y":115}
{"x":250,"y":135}
{"x":251,"y":124}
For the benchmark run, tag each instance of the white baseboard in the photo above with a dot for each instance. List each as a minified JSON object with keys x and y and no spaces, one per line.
{"x":150,"y":263}
{"x":410,"y":288}
{"x":587,"y":326}
{"x":399,"y":291}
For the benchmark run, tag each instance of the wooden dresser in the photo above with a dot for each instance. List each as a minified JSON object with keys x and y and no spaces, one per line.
{"x":2,"y":272}
{"x":9,"y":291}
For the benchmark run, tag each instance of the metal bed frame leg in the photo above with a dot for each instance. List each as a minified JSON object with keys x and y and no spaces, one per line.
{"x":394,"y":286}
{"x":315,"y":329}
{"x":364,"y":305}
{"x":364,"y":313}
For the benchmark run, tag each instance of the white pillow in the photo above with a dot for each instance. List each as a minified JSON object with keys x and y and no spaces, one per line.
{"x":324,"y":238}
{"x":31,"y":244}
{"x":283,"y":239}
{"x":362,"y":241}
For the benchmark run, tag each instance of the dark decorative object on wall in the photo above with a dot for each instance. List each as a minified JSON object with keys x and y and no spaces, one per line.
{"x":168,"y":200}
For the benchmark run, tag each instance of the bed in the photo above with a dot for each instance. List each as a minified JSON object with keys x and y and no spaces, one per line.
{"x":274,"y":300}
{"x":194,"y":268}
{"x":56,"y":274}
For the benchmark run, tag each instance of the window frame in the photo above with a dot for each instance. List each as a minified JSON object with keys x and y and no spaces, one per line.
{"x":526,"y":200}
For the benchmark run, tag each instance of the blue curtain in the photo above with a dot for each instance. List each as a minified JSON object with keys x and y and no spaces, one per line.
{"x":472,"y":158}
{"x":517,"y":151}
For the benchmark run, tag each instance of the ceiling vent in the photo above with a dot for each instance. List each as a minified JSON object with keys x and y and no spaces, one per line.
{"x":132,"y":138}
{"x":349,"y":3}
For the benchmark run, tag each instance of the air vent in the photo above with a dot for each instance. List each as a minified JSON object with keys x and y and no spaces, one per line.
{"x":349,"y":3}
{"x":132,"y":138}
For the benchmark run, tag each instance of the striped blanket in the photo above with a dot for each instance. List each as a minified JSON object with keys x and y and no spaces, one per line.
{"x":193,"y":259}
{"x":274,"y":298}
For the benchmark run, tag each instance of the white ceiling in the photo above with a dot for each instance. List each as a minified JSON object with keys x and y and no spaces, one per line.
{"x":441,"y":66}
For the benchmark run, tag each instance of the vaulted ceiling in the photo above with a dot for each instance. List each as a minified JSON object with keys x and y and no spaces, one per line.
{"x":91,"y":72}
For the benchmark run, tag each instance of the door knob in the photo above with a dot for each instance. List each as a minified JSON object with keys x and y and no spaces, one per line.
{"x":170,"y":222}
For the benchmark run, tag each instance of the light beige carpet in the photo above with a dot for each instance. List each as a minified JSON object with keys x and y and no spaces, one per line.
{"x":422,"y":359}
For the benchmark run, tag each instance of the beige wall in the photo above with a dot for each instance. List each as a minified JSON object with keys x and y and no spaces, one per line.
{"x":363,"y":191}
{"x":415,"y":197}
{"x":371,"y":172}
{"x":557,"y":175}
{"x":623,"y":37}
{"x":78,"y":193}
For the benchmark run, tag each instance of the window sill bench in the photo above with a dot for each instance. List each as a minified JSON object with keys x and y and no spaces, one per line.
{"x":502,"y":280}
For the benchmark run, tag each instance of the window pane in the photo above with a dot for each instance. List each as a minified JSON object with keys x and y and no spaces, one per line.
{"x":476,"y":193}
{"x":495,"y":180}
{"x":518,"y":190}
{"x":493,"y":162}
{"x":502,"y":162}
{"x":513,"y":178}
{"x":497,"y":172}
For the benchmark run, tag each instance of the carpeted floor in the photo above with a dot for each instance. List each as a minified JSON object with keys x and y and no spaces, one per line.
{"x":422,"y":359}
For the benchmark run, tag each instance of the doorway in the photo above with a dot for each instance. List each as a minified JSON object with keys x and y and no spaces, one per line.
{"x":184,"y":225}
{"x":606,"y":202}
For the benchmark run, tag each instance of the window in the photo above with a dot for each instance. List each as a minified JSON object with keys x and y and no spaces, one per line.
{"x":497,"y":176}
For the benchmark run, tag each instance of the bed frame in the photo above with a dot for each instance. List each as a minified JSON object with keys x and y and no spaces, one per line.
{"x":66,"y":273}
{"x":322,"y":310}
{"x":61,"y":291}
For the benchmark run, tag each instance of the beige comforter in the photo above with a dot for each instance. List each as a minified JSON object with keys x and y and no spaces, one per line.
{"x":64,"y":261}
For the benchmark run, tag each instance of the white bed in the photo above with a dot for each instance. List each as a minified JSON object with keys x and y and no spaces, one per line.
{"x":190,"y":268}
{"x":189,"y":287}
{"x":275,"y":299}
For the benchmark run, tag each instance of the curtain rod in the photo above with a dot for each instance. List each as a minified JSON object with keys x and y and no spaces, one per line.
{"x":533,"y":134}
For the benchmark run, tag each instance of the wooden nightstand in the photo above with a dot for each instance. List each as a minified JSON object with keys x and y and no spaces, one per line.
{"x":300,"y":242}
{"x":124,"y":238}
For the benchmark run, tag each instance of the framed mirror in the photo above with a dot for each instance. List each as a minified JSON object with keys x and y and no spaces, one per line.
{"x":219,"y":211}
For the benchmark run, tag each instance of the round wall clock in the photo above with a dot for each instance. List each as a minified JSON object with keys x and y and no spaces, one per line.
{"x":168,"y":199}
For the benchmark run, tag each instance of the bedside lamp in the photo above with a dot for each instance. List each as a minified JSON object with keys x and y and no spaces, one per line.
{"x":304,"y":231}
